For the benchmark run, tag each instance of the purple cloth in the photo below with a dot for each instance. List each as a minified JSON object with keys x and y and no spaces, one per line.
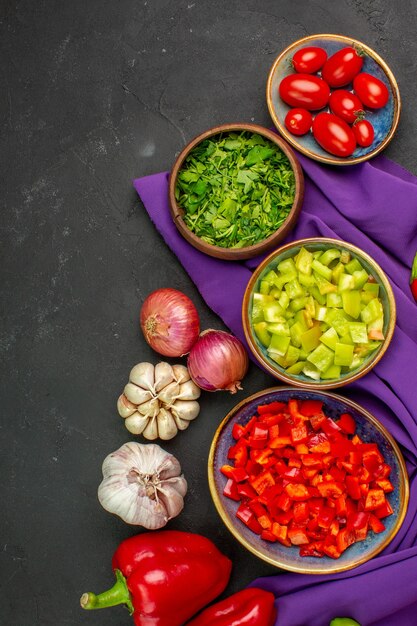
{"x":374,"y":206}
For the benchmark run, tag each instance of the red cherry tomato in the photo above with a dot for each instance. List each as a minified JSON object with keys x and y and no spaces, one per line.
{"x":364,"y":133}
{"x":309,"y":60}
{"x":298,"y":121}
{"x":341,"y":68}
{"x":345,"y":105}
{"x":305,"y":91}
{"x":333,"y":134}
{"x":372,"y":91}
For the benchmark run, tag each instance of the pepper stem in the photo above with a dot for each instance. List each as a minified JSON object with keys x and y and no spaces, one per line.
{"x":414,"y":269}
{"x":118,"y":594}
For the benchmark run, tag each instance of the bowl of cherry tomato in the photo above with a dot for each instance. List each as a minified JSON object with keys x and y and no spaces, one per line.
{"x":308,"y":481}
{"x":334,"y":99}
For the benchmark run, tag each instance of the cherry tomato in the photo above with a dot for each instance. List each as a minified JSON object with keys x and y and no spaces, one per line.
{"x":372,"y":91}
{"x":364,"y":133}
{"x":333,"y":134}
{"x":342,"y":67}
{"x":345,"y":105}
{"x":309,"y":60}
{"x":298,"y":121}
{"x":305,"y":91}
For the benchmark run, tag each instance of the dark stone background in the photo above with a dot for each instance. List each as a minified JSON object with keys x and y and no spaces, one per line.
{"x":93,"y":94}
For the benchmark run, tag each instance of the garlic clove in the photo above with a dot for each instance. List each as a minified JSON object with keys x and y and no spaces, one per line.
{"x":181,"y":373}
{"x":171,"y":499}
{"x":136,"y":395}
{"x":169,"y":394}
{"x":143,"y":374}
{"x":189,"y":391}
{"x":169,"y":467}
{"x":150,"y":408}
{"x":164,"y":374}
{"x":136,"y":423}
{"x":185,"y":409}
{"x":167,"y":428}
{"x":181,"y":424}
{"x":151,"y":430}
{"x":125,"y":407}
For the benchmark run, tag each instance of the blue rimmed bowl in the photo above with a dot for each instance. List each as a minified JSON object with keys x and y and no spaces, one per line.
{"x":384,"y":121}
{"x":369,"y":429}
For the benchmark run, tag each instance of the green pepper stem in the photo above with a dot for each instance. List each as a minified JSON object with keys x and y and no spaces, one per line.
{"x":118,"y":594}
{"x":414,"y":269}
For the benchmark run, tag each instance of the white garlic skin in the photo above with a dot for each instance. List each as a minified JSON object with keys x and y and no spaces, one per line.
{"x":142,"y":484}
{"x":158,"y":401}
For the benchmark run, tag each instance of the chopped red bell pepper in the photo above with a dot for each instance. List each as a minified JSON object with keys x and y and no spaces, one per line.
{"x":374,"y":499}
{"x":300,"y":512}
{"x":331,"y":489}
{"x":358,"y":520}
{"x":352,"y":487}
{"x":230,"y":490}
{"x":298,"y":492}
{"x":310,"y":408}
{"x":238,"y":474}
{"x":312,"y":549}
{"x":297,"y":535}
{"x":246,"y":491}
{"x":272,"y":407}
{"x":375,"y":524}
{"x":299,"y":434}
{"x":345,"y":538}
{"x":248,"y":518}
{"x":262,"y":481}
{"x":239,"y":453}
{"x":384,"y":510}
{"x":259,"y":436}
{"x":281,"y":533}
{"x":385,"y":484}
{"x":347,"y":423}
{"x":304,"y":479}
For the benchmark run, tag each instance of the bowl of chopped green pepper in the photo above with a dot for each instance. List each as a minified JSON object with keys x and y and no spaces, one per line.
{"x":235,"y":191}
{"x":318,"y":313}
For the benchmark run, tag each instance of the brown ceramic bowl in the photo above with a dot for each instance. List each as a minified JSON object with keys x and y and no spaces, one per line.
{"x":288,"y":251}
{"x":250,"y":251}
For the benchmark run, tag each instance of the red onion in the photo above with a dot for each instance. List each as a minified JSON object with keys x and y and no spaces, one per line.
{"x":170,"y":322}
{"x":218,"y":361}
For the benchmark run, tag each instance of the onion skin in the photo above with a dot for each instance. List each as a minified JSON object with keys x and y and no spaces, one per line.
{"x":218,"y":361}
{"x":170,"y":322}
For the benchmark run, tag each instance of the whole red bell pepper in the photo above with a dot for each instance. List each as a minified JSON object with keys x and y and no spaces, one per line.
{"x":413,"y":278}
{"x":164,"y":577}
{"x":250,"y":607}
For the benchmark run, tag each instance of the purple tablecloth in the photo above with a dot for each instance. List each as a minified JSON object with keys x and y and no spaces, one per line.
{"x":374,"y":206}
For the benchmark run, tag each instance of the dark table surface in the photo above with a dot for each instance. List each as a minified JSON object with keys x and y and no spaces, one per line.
{"x":95,"y":93}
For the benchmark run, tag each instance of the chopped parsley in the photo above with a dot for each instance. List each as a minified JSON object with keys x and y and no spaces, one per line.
{"x":236,"y":189}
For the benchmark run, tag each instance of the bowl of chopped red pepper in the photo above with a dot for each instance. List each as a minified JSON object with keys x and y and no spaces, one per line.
{"x":307,"y":480}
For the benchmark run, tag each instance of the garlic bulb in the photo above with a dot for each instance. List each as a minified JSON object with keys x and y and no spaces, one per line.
{"x":142,"y":484}
{"x":159,"y":400}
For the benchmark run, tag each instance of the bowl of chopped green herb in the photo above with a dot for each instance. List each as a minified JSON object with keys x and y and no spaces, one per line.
{"x":235,"y":191}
